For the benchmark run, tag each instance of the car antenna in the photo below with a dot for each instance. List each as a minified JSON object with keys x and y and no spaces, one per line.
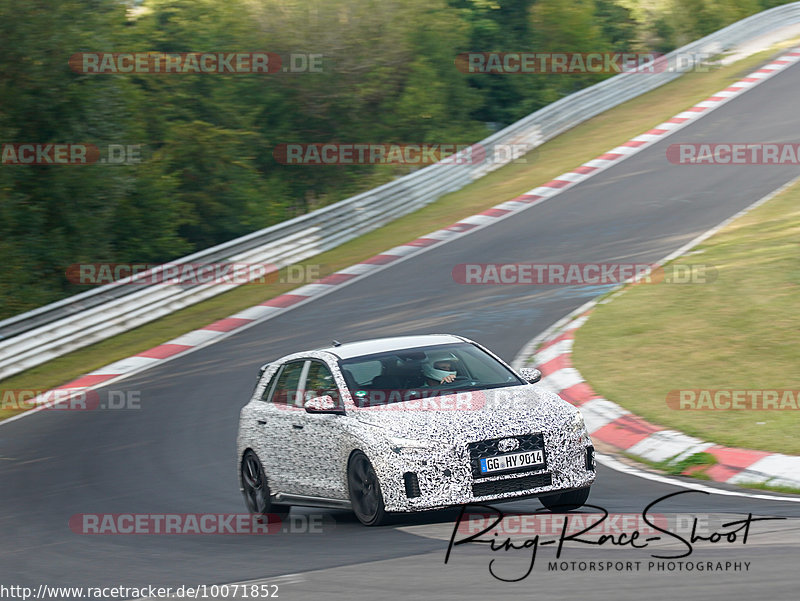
{"x":337,"y":343}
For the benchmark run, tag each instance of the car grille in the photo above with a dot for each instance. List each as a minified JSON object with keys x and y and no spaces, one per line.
{"x":498,"y":487}
{"x":488,"y":448}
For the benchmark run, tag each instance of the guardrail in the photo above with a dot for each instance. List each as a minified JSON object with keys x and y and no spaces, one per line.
{"x":37,"y":336}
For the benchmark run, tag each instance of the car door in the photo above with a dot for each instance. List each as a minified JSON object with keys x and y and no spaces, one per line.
{"x":275,"y":419}
{"x":257,"y":420}
{"x":320,"y":436}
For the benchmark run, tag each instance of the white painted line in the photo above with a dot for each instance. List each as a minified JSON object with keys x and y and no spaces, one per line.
{"x":125,"y":365}
{"x":572,"y":176}
{"x":357,"y":269}
{"x":618,"y":466}
{"x":690,"y":115}
{"x":526,"y":352}
{"x":668,"y":126}
{"x":647,"y":137}
{"x":194,"y":338}
{"x":511,"y":205}
{"x":665,"y":444}
{"x":784,"y":469}
{"x":599,"y":163}
{"x":440,"y":235}
{"x":477,"y":219}
{"x":561,"y":347}
{"x":707,"y":234}
{"x":575,"y":324}
{"x":312,"y":289}
{"x":254,"y":312}
{"x":401,"y":251}
{"x":545,"y":191}
{"x":692,"y":450}
{"x":598,"y":413}
{"x":561,"y":379}
{"x":626,"y":150}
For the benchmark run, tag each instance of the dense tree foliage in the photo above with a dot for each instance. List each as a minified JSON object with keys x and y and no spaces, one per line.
{"x":208,"y":173}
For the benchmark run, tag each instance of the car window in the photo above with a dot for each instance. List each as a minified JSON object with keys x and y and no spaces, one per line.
{"x":363,"y":372}
{"x":475,"y":365}
{"x":320,"y":382}
{"x":270,"y":385}
{"x":393,"y":376}
{"x":286,"y":387}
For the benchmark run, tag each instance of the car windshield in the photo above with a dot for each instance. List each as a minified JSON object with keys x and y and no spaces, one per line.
{"x":413,"y":373}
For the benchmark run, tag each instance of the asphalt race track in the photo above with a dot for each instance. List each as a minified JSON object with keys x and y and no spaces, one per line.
{"x":177,"y":453}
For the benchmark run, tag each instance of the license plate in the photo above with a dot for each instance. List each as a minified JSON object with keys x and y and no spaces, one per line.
{"x":512,"y":461}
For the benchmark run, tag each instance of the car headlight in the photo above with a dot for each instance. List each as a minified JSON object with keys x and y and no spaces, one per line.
{"x":578,"y":425}
{"x":399,"y":444}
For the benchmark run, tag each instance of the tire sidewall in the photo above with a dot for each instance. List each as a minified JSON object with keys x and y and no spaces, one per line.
{"x":380,"y":515}
{"x":270,"y":508}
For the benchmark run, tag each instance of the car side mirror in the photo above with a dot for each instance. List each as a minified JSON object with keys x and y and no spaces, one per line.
{"x":322,"y":404}
{"x":530,"y":375}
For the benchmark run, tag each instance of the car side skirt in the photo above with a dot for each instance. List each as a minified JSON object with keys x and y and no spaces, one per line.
{"x":308,"y":501}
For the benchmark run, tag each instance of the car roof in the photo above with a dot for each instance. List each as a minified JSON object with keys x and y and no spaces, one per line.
{"x":349,"y":350}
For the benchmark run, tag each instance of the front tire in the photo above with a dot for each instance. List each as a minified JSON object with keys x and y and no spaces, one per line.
{"x":365,"y":491}
{"x":256,"y":489}
{"x":566,"y":501}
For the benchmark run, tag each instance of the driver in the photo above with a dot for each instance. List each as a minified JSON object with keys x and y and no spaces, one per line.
{"x":439,"y":368}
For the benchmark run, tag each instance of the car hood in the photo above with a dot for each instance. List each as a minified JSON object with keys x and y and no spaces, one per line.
{"x":471,"y":416}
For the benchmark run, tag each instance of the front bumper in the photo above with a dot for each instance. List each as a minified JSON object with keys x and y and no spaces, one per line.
{"x":418,"y":480}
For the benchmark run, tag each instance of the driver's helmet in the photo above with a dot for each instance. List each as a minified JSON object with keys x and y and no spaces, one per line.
{"x":439,"y":364}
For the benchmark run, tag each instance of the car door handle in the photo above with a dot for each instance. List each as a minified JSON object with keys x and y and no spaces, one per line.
{"x":297,"y":426}
{"x":262,"y":422}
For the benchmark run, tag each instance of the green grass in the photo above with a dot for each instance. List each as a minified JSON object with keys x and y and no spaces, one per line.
{"x":739,"y":332}
{"x":693,"y":465}
{"x":690,"y":463}
{"x":766,"y":486}
{"x":557,"y":156}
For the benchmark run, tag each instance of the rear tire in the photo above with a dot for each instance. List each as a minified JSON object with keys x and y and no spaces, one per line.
{"x":566,"y":501}
{"x":256,"y":489}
